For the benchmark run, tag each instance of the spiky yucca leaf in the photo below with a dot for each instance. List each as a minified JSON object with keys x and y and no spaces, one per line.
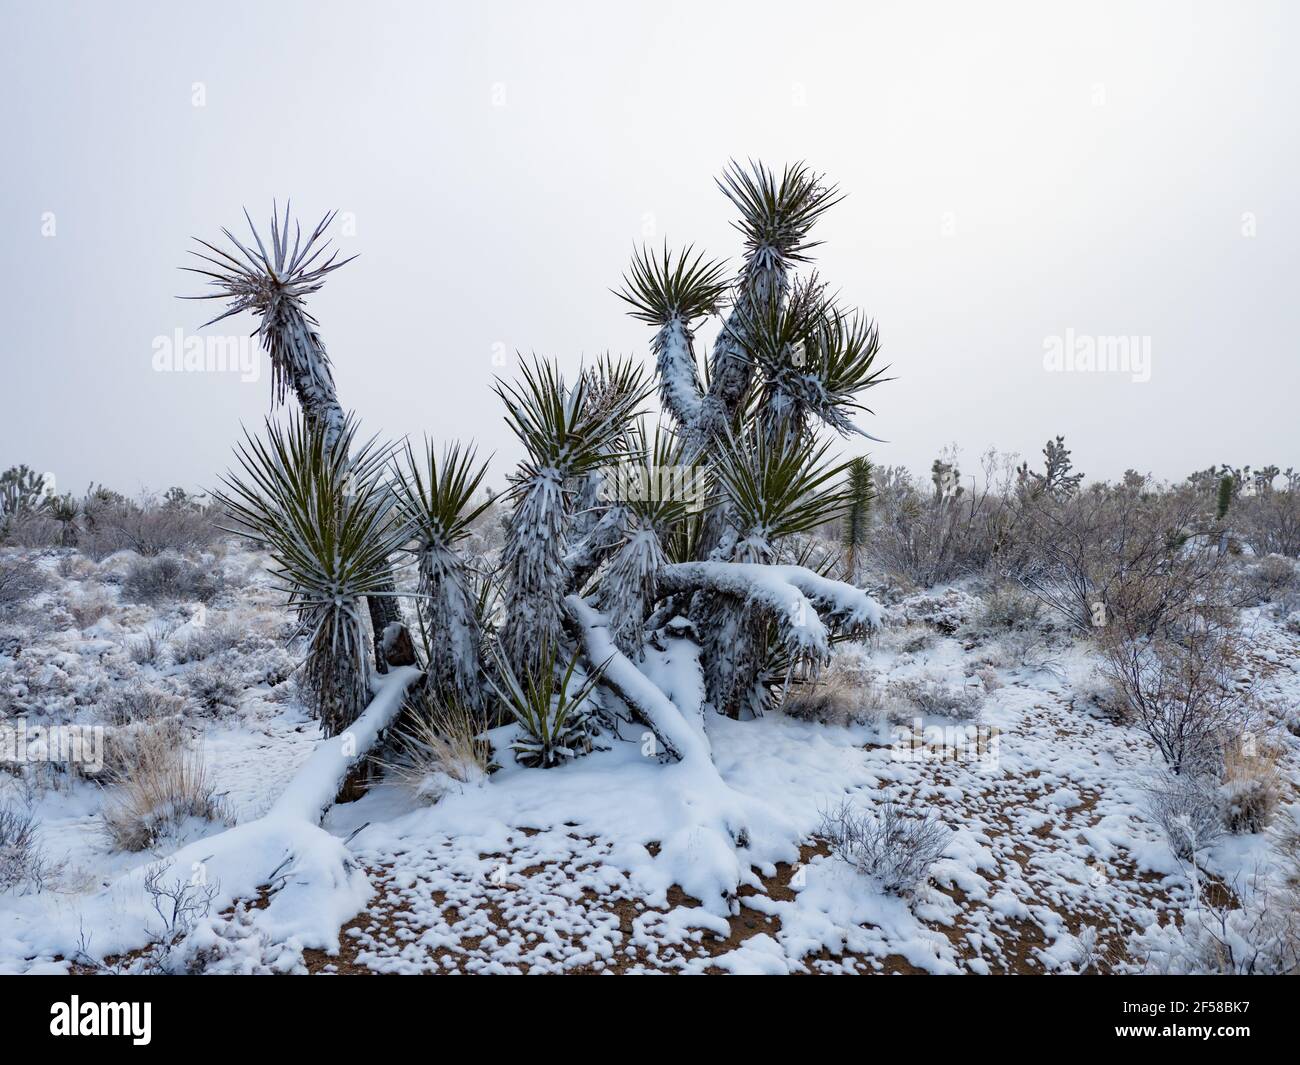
{"x":777,"y":215}
{"x":776,"y":489}
{"x":273,"y":284}
{"x":435,"y":500}
{"x":860,"y":490}
{"x":324,"y":515}
{"x":554,"y":718}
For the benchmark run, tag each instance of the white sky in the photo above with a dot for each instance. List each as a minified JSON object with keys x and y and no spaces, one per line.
{"x":1092,"y":162}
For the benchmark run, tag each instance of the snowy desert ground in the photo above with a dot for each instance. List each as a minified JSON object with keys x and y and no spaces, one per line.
{"x":1052,"y":859}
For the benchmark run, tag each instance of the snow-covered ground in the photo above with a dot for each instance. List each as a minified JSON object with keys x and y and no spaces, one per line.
{"x":1051,"y":855}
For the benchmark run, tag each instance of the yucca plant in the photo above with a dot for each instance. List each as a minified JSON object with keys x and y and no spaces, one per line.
{"x":435,"y":499}
{"x":553,"y":713}
{"x":860,"y":489}
{"x":273,"y":284}
{"x":317,"y":502}
{"x":568,"y":434}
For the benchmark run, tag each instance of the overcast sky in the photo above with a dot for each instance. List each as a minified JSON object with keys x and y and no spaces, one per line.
{"x":1014,"y":173}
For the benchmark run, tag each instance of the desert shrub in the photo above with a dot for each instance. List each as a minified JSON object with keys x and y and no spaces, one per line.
{"x":1183,"y":693}
{"x":146,"y":528}
{"x":73,"y":567}
{"x":20,"y":581}
{"x":204,"y":642}
{"x":1269,"y":521}
{"x":90,"y":608}
{"x":34,"y":529}
{"x":1188,"y":810}
{"x":21,"y":862}
{"x":845,"y":693}
{"x":139,"y":702}
{"x":1007,"y":607}
{"x":891,"y":847}
{"x":931,"y":696}
{"x":165,"y":788}
{"x":142,"y":741}
{"x":147,"y":648}
{"x":153,"y":580}
{"x":1252,"y":788}
{"x":213,"y":689}
{"x":440,"y":749}
{"x":1273,"y":575}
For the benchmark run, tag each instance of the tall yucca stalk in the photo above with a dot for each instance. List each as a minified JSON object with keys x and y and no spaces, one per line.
{"x":776,"y":216}
{"x":567,"y":434}
{"x":273,"y":284}
{"x":317,"y":503}
{"x":435,"y":499}
{"x":673,"y":295}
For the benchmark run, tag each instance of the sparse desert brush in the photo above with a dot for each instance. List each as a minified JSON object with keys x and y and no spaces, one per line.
{"x":440,"y":749}
{"x":89,"y":608}
{"x":204,"y":642}
{"x":146,"y":527}
{"x":22,"y":866}
{"x":167,"y":578}
{"x":1272,"y":576}
{"x":931,"y":696}
{"x":139,"y":702}
{"x":892,"y":847}
{"x":845,"y":693}
{"x":1007,"y":606}
{"x":213,"y":689}
{"x":128,"y":745}
{"x":1252,"y":787}
{"x":20,"y":581}
{"x":166,"y":787}
{"x":75,"y":567}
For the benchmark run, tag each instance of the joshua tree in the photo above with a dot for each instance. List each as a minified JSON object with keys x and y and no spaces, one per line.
{"x":861,"y":489}
{"x":646,"y":576}
{"x":274,"y":286}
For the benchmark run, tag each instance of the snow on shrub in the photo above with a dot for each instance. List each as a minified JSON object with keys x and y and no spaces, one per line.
{"x":166,"y":787}
{"x":166,"y":578}
{"x":893,"y":848}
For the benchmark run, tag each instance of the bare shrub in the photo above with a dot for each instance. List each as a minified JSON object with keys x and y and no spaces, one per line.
{"x":139,"y":702}
{"x":1007,"y":607}
{"x":145,"y":527}
{"x":147,"y":648}
{"x":1187,"y":809}
{"x":167,"y":786}
{"x":1182,"y":692}
{"x":90,"y":608}
{"x":34,"y":529}
{"x":20,"y":581}
{"x":890,"y":847}
{"x":205,"y":642}
{"x":213,"y":689}
{"x":1269,"y":522}
{"x":21,"y":863}
{"x":153,"y":580}
{"x":930,"y":696}
{"x":1272,"y":576}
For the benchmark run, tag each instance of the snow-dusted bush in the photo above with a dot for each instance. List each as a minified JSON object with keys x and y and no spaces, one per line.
{"x":1272,"y":576}
{"x":214,"y":688}
{"x":139,"y":702}
{"x":89,"y":608}
{"x":1007,"y":608}
{"x":1252,"y":788}
{"x":1188,"y":808}
{"x":166,"y":787}
{"x":20,"y":581}
{"x":205,"y":642}
{"x":929,"y":695}
{"x":846,"y":692}
{"x":1183,"y":693}
{"x":890,"y":846}
{"x":168,"y":578}
{"x":22,"y":866}
{"x":146,"y":527}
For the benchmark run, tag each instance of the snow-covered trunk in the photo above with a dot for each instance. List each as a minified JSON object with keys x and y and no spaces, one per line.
{"x":536,"y":574}
{"x":303,"y":361}
{"x":454,"y":648}
{"x":337,"y":668}
{"x":680,"y":389}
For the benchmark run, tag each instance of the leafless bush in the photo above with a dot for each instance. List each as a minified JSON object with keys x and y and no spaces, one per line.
{"x":845,"y":693}
{"x":90,"y":608}
{"x":133,"y":744}
{"x":139,"y":702}
{"x":146,"y":527}
{"x":1187,"y":808}
{"x":931,"y":696}
{"x":203,"y":643}
{"x":20,"y":581}
{"x":1183,"y":693}
{"x":33,"y":529}
{"x":1272,"y":576}
{"x":892,"y":848}
{"x":213,"y":689}
{"x":1269,"y":522}
{"x":21,"y":862}
{"x":1252,"y":787}
{"x":1008,"y":608}
{"x":166,"y":787}
{"x":153,"y":580}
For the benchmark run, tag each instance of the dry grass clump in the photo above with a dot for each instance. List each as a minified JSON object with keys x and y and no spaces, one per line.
{"x":1252,"y":787}
{"x":165,"y":786}
{"x":87,"y":609}
{"x":930,"y":696}
{"x":140,"y":702}
{"x":439,"y":750}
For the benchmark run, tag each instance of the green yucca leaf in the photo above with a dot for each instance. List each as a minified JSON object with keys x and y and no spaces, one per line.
{"x":553,"y":717}
{"x":660,"y":289}
{"x":436,"y":498}
{"x":777,"y":215}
